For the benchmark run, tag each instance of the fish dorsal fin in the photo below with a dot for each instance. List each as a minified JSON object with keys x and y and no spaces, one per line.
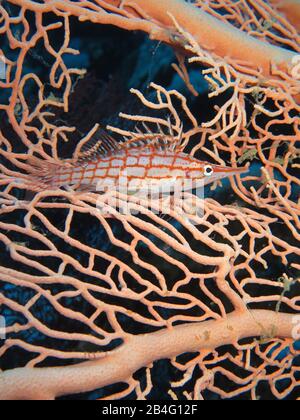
{"x":151,"y":142}
{"x":100,"y":145}
{"x":158,"y":141}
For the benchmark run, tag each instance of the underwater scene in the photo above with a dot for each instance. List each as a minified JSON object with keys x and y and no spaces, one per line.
{"x":150,"y":201}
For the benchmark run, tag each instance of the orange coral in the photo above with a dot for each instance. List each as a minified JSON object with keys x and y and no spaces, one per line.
{"x":290,"y":8}
{"x":149,"y":288}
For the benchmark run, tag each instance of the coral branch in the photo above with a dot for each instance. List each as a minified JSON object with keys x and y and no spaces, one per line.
{"x":216,"y":36}
{"x":291,"y":9}
{"x":96,"y":288}
{"x":140,"y":351}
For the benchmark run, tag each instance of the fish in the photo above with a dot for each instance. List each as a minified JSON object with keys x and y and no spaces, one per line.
{"x":146,"y":165}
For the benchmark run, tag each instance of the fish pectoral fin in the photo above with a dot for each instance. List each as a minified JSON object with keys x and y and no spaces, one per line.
{"x":135,"y":192}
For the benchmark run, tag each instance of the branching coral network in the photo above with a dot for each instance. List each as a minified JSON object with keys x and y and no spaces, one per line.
{"x":217,"y":295}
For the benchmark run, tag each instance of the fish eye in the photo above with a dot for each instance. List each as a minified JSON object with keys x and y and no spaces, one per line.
{"x":208,"y":170}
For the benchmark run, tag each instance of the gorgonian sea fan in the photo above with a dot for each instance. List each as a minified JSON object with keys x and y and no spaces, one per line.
{"x":102,"y":294}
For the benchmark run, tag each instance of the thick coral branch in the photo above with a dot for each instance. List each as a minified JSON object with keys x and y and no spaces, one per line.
{"x":291,"y":9}
{"x":219,"y":37}
{"x":140,"y":351}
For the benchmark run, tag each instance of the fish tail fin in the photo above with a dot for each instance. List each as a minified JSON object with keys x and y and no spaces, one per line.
{"x":41,"y":174}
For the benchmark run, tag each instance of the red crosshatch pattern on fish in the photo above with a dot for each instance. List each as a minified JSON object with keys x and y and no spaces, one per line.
{"x":142,"y":165}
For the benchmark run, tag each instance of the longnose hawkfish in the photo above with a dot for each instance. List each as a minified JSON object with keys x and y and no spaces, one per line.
{"x":143,"y":164}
